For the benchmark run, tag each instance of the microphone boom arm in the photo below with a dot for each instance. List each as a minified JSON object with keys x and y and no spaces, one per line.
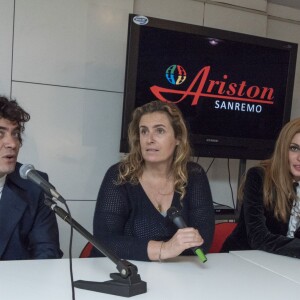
{"x":126,"y":283}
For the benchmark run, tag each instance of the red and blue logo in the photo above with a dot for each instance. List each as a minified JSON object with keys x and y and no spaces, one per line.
{"x":176,"y":74}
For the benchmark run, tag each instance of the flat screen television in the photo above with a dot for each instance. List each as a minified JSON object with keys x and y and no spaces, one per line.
{"x":234,"y":90}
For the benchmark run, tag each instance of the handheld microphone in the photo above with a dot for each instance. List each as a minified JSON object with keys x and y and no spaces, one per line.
{"x":175,"y":216}
{"x":29,"y":172}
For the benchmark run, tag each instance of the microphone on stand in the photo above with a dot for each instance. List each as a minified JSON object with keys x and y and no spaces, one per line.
{"x":175,"y":216}
{"x":127,"y":282}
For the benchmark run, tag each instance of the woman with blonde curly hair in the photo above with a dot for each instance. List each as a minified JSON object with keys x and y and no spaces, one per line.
{"x":130,"y":215}
{"x":270,"y":193}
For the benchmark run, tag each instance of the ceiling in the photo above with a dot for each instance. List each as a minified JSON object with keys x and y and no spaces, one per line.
{"x":290,"y":3}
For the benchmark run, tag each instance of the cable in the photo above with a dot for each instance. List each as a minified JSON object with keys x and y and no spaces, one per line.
{"x":210,"y":165}
{"x":70,"y":253}
{"x":229,"y":179}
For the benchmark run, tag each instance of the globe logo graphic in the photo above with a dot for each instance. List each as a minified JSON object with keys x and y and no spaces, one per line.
{"x":176,"y":74}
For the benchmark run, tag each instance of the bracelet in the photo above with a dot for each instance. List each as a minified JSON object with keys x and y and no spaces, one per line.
{"x":159,"y":256}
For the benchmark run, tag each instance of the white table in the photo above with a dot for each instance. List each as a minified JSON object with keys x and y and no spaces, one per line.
{"x":287,"y":267}
{"x":224,"y":276}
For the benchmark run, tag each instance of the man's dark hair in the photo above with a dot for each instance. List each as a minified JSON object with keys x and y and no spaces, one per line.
{"x":10,"y":110}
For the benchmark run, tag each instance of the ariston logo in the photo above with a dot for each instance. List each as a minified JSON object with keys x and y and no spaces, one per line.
{"x":227,"y":95}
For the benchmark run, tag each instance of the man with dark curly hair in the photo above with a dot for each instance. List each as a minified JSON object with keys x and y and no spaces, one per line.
{"x":28,"y":228}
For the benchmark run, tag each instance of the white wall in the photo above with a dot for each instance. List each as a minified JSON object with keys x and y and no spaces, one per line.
{"x":64,"y":61}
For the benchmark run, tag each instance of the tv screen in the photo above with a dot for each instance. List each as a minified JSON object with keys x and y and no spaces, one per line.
{"x":234,"y":90}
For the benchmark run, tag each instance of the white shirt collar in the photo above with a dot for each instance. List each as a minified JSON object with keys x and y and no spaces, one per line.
{"x":2,"y":181}
{"x":295,"y":215}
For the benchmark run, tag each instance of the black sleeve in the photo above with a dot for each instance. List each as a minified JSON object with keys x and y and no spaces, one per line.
{"x":259,"y":235}
{"x":112,"y":214}
{"x":44,"y":236}
{"x":201,"y":211}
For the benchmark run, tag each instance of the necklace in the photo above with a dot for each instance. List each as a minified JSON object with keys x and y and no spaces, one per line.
{"x":159,"y":200}
{"x":158,"y":195}
{"x":159,"y":208}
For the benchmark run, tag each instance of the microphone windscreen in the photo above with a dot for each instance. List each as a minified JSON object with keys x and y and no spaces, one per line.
{"x":172,"y":213}
{"x":25,"y":169}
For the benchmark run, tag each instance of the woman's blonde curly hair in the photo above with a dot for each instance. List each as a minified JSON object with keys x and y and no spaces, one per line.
{"x":132,"y":164}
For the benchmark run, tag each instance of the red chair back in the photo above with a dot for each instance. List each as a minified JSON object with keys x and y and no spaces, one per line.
{"x":86,"y":250}
{"x":222,"y":231}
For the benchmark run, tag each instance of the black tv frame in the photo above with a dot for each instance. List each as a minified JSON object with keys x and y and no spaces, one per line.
{"x":206,"y":146}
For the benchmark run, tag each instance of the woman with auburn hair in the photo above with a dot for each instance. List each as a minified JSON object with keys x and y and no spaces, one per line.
{"x":270,"y":213}
{"x":130,"y":215}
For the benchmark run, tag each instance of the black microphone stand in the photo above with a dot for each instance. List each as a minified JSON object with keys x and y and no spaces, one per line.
{"x":126,"y":283}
